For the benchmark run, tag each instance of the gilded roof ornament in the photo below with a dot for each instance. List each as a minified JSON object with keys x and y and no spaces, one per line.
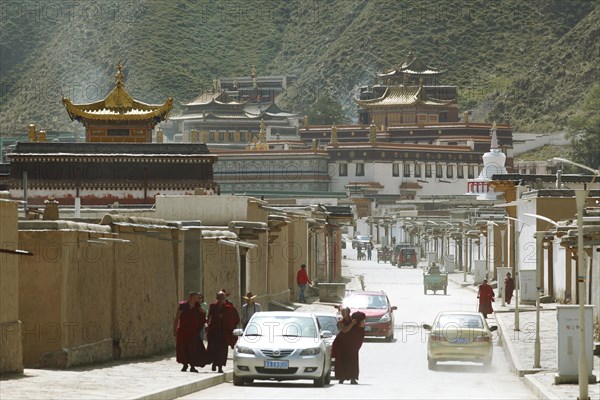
{"x":119,"y":75}
{"x":334,"y":136}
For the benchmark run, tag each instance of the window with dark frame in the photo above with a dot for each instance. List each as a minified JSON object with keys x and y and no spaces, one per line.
{"x":450,"y":171}
{"x":460,"y":172}
{"x":438,"y":171}
{"x":406,"y":170}
{"x":343,"y":169}
{"x":471,"y":172}
{"x":427,"y":170}
{"x":360,"y":169}
{"x":395,"y":169}
{"x":417,"y":170}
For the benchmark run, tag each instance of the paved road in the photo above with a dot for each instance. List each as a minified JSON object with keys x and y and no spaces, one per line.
{"x":399,"y":369}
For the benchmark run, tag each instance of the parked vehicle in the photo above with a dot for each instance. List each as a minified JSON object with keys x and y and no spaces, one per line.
{"x":435,"y":280}
{"x":363,"y":240}
{"x":459,"y":336}
{"x":328,"y":321}
{"x":404,"y":254}
{"x":282,"y":345}
{"x":378,"y":310}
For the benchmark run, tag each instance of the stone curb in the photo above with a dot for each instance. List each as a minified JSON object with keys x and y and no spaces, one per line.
{"x":540,"y":390}
{"x":185,"y":389}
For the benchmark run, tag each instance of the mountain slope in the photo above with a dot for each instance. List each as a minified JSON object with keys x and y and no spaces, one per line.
{"x":178,"y":48}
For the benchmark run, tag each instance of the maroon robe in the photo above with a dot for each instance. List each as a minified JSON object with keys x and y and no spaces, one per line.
{"x":345,"y":351}
{"x":509,"y":287}
{"x":222,"y":320}
{"x":189,"y":347}
{"x":486,"y":297}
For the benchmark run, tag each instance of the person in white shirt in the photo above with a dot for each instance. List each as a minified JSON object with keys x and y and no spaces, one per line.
{"x":249,"y":308}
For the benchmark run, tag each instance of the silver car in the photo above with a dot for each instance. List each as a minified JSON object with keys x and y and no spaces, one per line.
{"x":282,"y":345}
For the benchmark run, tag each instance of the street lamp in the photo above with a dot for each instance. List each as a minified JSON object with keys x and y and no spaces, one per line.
{"x":539,"y":238}
{"x":503,"y":236}
{"x":580,"y":197}
{"x":517,"y":255}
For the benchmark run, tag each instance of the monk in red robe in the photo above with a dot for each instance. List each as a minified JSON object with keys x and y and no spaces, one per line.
{"x":223,"y":318}
{"x":509,"y":287}
{"x":188,"y":323}
{"x":486,"y":297}
{"x":346,"y":345}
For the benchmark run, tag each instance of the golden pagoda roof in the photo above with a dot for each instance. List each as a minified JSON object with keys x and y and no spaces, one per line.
{"x":402,"y":96}
{"x":118,"y":105}
{"x":413,"y":65}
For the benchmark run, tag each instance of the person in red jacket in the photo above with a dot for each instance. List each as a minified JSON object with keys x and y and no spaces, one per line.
{"x":302,"y":279}
{"x":486,"y":297}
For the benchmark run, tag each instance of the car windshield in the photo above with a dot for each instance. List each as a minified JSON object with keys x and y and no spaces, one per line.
{"x":286,"y":326}
{"x":459,"y":321}
{"x":328,"y":323}
{"x":362,"y":238}
{"x":366,"y":301}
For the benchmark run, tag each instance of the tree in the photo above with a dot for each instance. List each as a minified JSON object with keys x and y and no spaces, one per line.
{"x":586,"y":126}
{"x":326,"y":111}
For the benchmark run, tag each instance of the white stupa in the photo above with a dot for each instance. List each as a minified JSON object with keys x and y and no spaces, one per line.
{"x":493,"y":163}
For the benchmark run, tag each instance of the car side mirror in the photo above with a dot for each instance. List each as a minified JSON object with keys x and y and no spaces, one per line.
{"x":394,"y":308}
{"x":238,"y":332}
{"x":493,"y":328}
{"x":326,"y":334}
{"x":427,"y":327}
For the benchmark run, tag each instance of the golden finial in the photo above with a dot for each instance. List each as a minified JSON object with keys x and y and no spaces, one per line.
{"x":334,"y":137}
{"x":372,"y":133}
{"x":119,"y":75}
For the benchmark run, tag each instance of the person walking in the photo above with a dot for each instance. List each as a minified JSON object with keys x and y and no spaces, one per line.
{"x":302,"y":279}
{"x":222,"y":320}
{"x":509,"y":287}
{"x":346,"y":345}
{"x":187,"y":325}
{"x":486,"y":297}
{"x":369,"y":250}
{"x":249,"y":309}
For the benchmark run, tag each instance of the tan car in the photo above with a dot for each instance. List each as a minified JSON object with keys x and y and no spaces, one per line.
{"x":459,"y":336}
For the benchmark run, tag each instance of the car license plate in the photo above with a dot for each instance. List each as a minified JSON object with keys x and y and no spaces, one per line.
{"x":367,"y":328}
{"x":459,"y":340}
{"x":277,"y":364}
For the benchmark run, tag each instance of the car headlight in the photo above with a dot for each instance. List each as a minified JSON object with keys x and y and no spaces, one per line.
{"x":244,"y":350}
{"x":385,"y":318}
{"x":310,"y":352}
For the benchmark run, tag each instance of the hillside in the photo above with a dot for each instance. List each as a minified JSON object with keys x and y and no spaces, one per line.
{"x":547,"y":48}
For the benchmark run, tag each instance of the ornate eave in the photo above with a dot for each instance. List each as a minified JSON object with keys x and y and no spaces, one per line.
{"x":118,"y":105}
{"x":402,"y":96}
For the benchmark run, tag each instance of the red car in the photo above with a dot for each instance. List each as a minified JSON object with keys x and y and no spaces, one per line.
{"x":404,"y":255}
{"x":377,"y":308}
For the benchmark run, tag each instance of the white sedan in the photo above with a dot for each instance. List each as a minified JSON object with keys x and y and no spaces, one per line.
{"x":282,"y":346}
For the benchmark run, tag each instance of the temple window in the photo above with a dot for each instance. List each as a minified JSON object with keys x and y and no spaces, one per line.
{"x":460,"y":172}
{"x":438,"y":171}
{"x":406,"y":170}
{"x":471,"y":172}
{"x":360,"y":169}
{"x":230,"y":136}
{"x":427,"y":170}
{"x":211,"y":135}
{"x":117,"y":132}
{"x":395,"y":169}
{"x":450,"y":171}
{"x":417,"y":170}
{"x":343,"y":169}
{"x":221,"y":136}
